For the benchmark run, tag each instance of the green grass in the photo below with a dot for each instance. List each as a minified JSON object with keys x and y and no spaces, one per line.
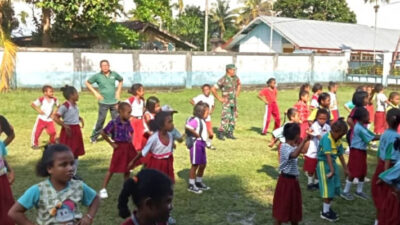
{"x":242,"y":173}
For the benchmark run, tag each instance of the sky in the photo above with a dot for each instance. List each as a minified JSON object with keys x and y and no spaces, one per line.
{"x":388,"y":16}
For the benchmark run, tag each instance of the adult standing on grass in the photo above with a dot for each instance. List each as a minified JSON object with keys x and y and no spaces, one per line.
{"x":107,"y":95}
{"x":230,"y":87}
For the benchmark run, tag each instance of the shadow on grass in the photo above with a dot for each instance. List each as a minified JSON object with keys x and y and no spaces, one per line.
{"x":270,"y":171}
{"x":257,"y":130}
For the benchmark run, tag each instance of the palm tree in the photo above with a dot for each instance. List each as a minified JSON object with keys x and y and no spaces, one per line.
{"x":222,"y":16}
{"x":7,"y":66}
{"x":251,"y":10}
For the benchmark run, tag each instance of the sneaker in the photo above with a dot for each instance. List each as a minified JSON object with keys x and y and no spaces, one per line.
{"x":366,"y":179}
{"x":93,"y":141}
{"x":347,"y":196}
{"x":361,"y":195}
{"x":202,"y":186}
{"x":230,"y":136}
{"x":194,"y":189}
{"x":347,"y":152}
{"x":171,"y":220}
{"x":103,"y":193}
{"x":35,"y":147}
{"x":355,"y":181}
{"x":220,"y":136}
{"x":212,"y":147}
{"x":311,"y":187}
{"x":330,"y":216}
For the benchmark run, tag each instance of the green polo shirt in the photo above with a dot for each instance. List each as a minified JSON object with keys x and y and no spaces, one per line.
{"x":106,"y":86}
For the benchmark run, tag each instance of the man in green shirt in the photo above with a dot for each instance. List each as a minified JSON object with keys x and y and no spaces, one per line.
{"x":107,"y":95}
{"x":230,"y":87}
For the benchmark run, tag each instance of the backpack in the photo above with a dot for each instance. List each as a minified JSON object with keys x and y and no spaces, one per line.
{"x":190,"y":139}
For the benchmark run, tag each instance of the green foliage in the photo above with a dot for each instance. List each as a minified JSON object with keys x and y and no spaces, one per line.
{"x":326,"y":10}
{"x":8,"y":21}
{"x":150,"y":10}
{"x":223,"y":18}
{"x":251,"y":10}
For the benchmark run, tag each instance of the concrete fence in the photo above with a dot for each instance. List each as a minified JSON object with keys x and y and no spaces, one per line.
{"x":57,"y":67}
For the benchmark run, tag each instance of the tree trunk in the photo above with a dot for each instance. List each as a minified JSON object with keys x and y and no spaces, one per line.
{"x":46,"y":13}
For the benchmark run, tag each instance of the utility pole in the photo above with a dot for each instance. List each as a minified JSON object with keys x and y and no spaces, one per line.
{"x":206,"y":26}
{"x":376,"y":7}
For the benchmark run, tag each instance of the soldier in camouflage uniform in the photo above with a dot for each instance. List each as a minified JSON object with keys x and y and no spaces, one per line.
{"x":230,"y":88}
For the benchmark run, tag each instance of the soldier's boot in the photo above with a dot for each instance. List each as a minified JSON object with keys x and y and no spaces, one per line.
{"x":220,"y":136}
{"x":230,"y":136}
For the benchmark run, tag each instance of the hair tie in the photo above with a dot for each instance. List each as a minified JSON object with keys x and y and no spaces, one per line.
{"x":135,"y":179}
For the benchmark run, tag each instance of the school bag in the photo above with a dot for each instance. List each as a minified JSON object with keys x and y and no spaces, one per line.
{"x":190,"y":139}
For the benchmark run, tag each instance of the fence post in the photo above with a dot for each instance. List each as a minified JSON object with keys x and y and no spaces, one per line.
{"x":77,"y":65}
{"x":188,"y":82}
{"x":136,"y":68}
{"x":311,"y":79}
{"x":347,"y":55}
{"x":387,"y":59}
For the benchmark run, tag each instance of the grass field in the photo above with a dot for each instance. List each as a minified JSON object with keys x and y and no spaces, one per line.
{"x":242,"y":173}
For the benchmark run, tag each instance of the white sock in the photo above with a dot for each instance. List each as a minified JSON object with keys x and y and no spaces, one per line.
{"x":376,"y":222}
{"x":316,"y":181}
{"x":191,"y":181}
{"x":326,"y":207}
{"x":347,"y":186}
{"x":310,"y":179}
{"x":76,"y":162}
{"x":360,"y":186}
{"x":199,"y":179}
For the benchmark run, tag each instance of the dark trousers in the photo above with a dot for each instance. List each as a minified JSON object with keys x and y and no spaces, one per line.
{"x":103,"y":109}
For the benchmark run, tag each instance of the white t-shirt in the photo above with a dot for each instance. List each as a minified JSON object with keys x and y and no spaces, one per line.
{"x":157,"y":148}
{"x":137,"y":105}
{"x":381,"y":102}
{"x":47,"y":107}
{"x":333,"y":105}
{"x":317,"y":131}
{"x":209,"y":100}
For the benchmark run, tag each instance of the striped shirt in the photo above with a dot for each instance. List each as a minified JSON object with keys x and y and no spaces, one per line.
{"x":288,"y":165}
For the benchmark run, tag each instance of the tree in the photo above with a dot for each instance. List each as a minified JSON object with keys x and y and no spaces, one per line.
{"x":8,"y":21}
{"x":189,"y":25}
{"x":152,"y":11}
{"x":327,"y":10}
{"x":222,"y":18}
{"x":251,"y":10}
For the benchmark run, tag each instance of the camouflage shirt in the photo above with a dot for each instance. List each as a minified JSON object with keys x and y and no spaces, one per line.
{"x":228,"y":86}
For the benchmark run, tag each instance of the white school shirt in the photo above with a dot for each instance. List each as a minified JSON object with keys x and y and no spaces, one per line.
{"x":317,"y":130}
{"x":381,"y":102}
{"x":209,"y":100}
{"x":47,"y":107}
{"x":157,"y":148}
{"x":147,"y":128}
{"x":137,"y":105}
{"x":194,"y":124}
{"x":69,"y":112}
{"x":333,"y":105}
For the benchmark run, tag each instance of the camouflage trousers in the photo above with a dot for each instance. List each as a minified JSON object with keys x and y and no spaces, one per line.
{"x":228,"y":118}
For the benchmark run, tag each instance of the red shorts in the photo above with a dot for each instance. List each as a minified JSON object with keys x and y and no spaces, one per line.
{"x":380,"y":122}
{"x":121,"y":157}
{"x":379,"y":191}
{"x":287,"y":203}
{"x":310,"y":164}
{"x":75,"y":141}
{"x":390,"y":214}
{"x":357,"y":163}
{"x":163,"y":165}
{"x":138,"y":130}
{"x":6,"y":200}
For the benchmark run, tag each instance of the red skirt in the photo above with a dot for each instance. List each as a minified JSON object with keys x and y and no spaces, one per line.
{"x":379,"y":191}
{"x":75,"y":141}
{"x":390,"y":214}
{"x":6,"y":200}
{"x":310,"y":164}
{"x":335,"y":114}
{"x":303,"y":129}
{"x":138,"y":130}
{"x":380,"y":122}
{"x":357,"y":163}
{"x":163,"y":165}
{"x":121,"y":157}
{"x":287,"y":203}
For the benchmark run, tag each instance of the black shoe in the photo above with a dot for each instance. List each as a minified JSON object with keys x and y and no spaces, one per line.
{"x":202,"y":186}
{"x":220,"y":136}
{"x":330,"y":216}
{"x":230,"y":136}
{"x":194,"y":189}
{"x":316,"y":186}
{"x":311,"y":187}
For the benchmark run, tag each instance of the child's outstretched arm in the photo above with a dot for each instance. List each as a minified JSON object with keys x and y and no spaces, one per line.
{"x":191,"y":101}
{"x":134,"y":160}
{"x":17,"y":214}
{"x":37,"y":108}
{"x":10,"y":172}
{"x":82,"y":122}
{"x":58,"y":121}
{"x":262,"y":98}
{"x":344,"y":165}
{"x":105,"y":137}
{"x":91,"y":213}
{"x":300,"y":149}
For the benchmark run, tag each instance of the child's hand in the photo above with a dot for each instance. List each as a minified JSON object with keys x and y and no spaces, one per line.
{"x":85,"y":221}
{"x":82,"y":122}
{"x":329,"y":175}
{"x":68,"y":130}
{"x":11,"y":177}
{"x":115,"y":146}
{"x":211,"y":136}
{"x":346,"y":172}
{"x":379,"y":181}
